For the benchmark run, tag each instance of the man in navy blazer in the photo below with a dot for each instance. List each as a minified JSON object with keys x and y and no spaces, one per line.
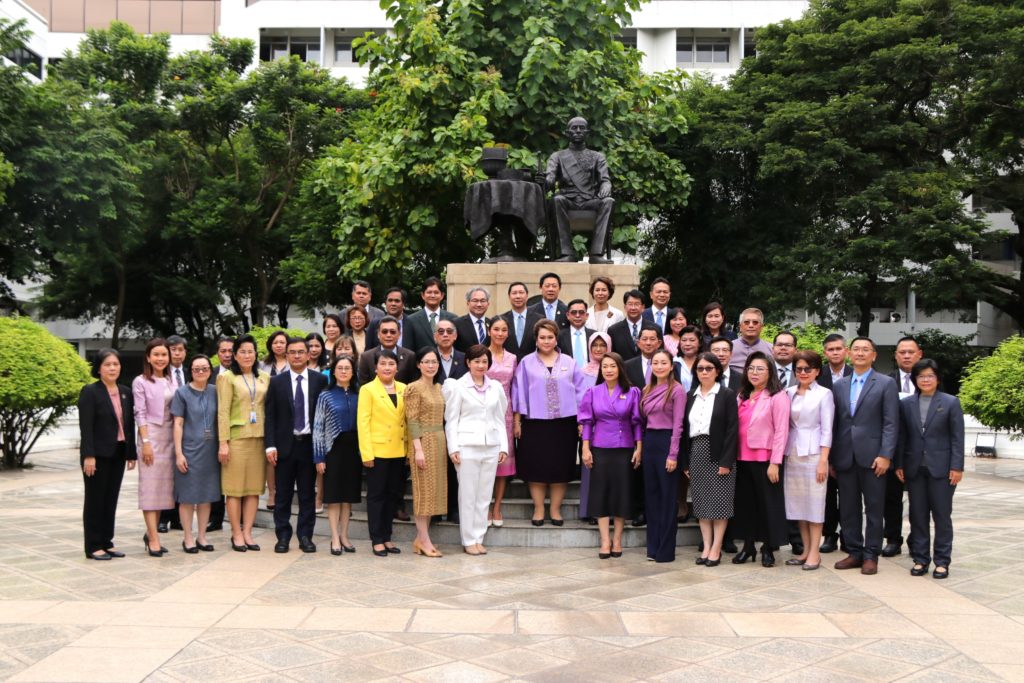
{"x":550,"y":306}
{"x":420,"y":326}
{"x":288,"y":438}
{"x":864,"y":442}
{"x":657,"y":312}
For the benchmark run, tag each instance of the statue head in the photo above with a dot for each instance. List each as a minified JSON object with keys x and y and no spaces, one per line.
{"x":577,"y":130}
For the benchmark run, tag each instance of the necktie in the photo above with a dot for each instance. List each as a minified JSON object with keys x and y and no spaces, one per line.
{"x":551,"y":311}
{"x":723,"y":380}
{"x":636,"y":332}
{"x":577,"y":348}
{"x":647,"y":371}
{"x":480,"y":331}
{"x":177,"y":377}
{"x":906,"y":384}
{"x":299,"y":409}
{"x":520,"y":324}
{"x":782,"y":376}
{"x":855,"y":393}
{"x":659,"y":316}
{"x":433,"y":322}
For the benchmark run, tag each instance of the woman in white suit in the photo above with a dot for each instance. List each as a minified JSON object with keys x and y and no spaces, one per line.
{"x":474,"y":416}
{"x":806,"y":469}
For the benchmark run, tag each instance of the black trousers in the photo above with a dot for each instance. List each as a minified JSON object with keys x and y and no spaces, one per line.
{"x":399,"y":493}
{"x":217,"y":512}
{"x":100,"y":508}
{"x":637,"y":494}
{"x":383,"y":480}
{"x":171,"y":517}
{"x":662,"y":504}
{"x":931,"y":500}
{"x":453,"y":490}
{"x":893,"y":519}
{"x":295,"y":469}
{"x":831,"y":527}
{"x":861,"y":495}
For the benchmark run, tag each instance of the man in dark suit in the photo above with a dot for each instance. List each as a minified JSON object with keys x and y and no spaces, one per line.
{"x":625,"y":332}
{"x":362,"y":294}
{"x":395,"y":300}
{"x":783,"y":350}
{"x":420,"y":326}
{"x":288,"y":438}
{"x":549,"y":305}
{"x":520,"y":321}
{"x":225,"y":354}
{"x":721,"y":347}
{"x":657,"y":313}
{"x":834,"y":347}
{"x":387,"y":328}
{"x":573,"y":340}
{"x":908,"y":352}
{"x":453,"y":361}
{"x":472,"y":327}
{"x":864,"y":442}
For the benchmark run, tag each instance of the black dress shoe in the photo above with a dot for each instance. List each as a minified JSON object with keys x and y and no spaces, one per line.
{"x":100,"y":555}
{"x":557,"y":522}
{"x":941,"y":573}
{"x":380,"y":553}
{"x":537,"y":522}
{"x":729,"y":546}
{"x":701,"y":560}
{"x":191,"y":551}
{"x":348,"y":548}
{"x":114,"y":553}
{"x":402,"y":515}
{"x":281,"y":547}
{"x":214,"y":527}
{"x":919,"y":570}
{"x":205,"y":547}
{"x":454,"y":519}
{"x":238,"y":548}
{"x":639,"y":520}
{"x":797,"y":548}
{"x":712,"y":563}
{"x":767,"y":558}
{"x":744,"y":555}
{"x":394,"y":550}
{"x":830,"y":544}
{"x":252,"y":546}
{"x":306,"y":545}
{"x":892,"y":549}
{"x":162,"y":527}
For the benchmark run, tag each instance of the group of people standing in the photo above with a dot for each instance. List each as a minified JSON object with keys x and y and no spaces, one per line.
{"x":638,"y":404}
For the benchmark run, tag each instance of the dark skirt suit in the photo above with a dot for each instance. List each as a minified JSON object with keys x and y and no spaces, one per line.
{"x":929,"y":448}
{"x":611,"y":423}
{"x":662,"y":411}
{"x":101,"y":438}
{"x":760,"y":504}
{"x":703,"y":453}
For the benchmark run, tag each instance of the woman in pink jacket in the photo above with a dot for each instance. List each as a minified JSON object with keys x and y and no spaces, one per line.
{"x":764,"y":430}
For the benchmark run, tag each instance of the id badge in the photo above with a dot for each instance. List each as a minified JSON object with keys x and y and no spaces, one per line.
{"x":208,"y":435}
{"x":252,"y":417}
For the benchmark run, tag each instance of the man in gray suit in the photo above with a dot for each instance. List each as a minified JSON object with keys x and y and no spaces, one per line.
{"x":864,"y":443}
{"x":421,"y":325}
{"x":783,"y":350}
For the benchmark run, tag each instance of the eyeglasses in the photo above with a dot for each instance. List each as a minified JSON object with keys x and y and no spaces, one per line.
{"x":387,"y":331}
{"x":199,"y":371}
{"x":705,"y":368}
{"x":785,"y":345}
{"x":479,"y":301}
{"x":803,"y":370}
{"x":577,"y":312}
{"x":445,"y":330}
{"x":428,"y":362}
{"x":751,"y":322}
{"x":756,"y":369}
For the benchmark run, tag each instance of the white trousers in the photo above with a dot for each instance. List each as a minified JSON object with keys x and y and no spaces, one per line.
{"x":476,"y":468}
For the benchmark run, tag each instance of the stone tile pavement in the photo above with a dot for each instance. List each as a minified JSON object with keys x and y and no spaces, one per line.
{"x":532,"y":614}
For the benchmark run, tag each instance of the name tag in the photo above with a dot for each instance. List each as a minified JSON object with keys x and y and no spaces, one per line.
{"x":252,"y":417}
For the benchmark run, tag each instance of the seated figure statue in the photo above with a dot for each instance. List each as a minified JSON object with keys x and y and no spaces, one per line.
{"x":579,"y":177}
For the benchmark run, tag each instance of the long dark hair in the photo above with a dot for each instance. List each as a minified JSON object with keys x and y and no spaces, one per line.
{"x":235,"y":367}
{"x":354,"y":384}
{"x":773,"y":387}
{"x":623,"y":380}
{"x":271,"y":359}
{"x":711,"y":306}
{"x":147,"y":369}
{"x":671,"y":375}
{"x":321,"y":360}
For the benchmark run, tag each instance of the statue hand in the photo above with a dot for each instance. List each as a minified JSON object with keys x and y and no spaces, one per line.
{"x":604,"y":192}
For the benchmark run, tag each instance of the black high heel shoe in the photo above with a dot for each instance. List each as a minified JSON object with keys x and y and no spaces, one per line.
{"x":191,"y":551}
{"x":748,"y":553}
{"x":767,"y":558}
{"x":238,"y":548}
{"x":152,"y":553}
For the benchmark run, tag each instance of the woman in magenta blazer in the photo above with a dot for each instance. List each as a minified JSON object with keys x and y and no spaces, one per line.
{"x":764,"y":430}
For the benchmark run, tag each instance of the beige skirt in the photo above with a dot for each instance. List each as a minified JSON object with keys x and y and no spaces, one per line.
{"x":246,"y":471}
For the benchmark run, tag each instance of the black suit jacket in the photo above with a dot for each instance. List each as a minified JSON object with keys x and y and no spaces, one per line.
{"x":373,"y":339}
{"x":735,"y":380}
{"x":217,"y":371}
{"x":565,"y":340}
{"x":622,"y":337}
{"x":467,"y":333}
{"x":186,"y":370}
{"x":825,"y":376}
{"x":407,"y":370}
{"x":936,"y":448}
{"x":458,"y":366}
{"x":635,"y":371}
{"x":97,"y":422}
{"x":724,"y":432}
{"x":561,"y":317}
{"x":529,"y":344}
{"x":279,"y":430}
{"x":417,"y":329}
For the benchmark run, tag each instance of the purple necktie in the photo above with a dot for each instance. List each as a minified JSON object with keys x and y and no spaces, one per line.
{"x":299,"y":421}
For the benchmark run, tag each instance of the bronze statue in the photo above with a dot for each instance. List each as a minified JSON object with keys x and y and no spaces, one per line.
{"x":579,"y":177}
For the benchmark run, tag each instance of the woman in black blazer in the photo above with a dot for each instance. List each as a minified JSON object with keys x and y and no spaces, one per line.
{"x":930,"y":461}
{"x":107,"y":424}
{"x":708,"y":453}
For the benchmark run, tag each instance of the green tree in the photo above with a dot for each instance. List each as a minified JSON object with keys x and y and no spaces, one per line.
{"x":459,"y":74}
{"x":993,"y":388}
{"x":952,"y":352}
{"x":809,"y":336}
{"x":34,"y":395}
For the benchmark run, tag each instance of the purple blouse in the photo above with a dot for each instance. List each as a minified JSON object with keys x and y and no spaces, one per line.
{"x":661,"y":411}
{"x":611,"y":420}
{"x":540,"y":394}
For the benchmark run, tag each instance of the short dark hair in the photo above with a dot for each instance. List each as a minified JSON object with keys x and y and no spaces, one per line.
{"x":835,"y":336}
{"x":176,"y":339}
{"x":869,"y":340}
{"x":785,"y":332}
{"x":244,"y":339}
{"x":545,"y":324}
{"x":720,"y":338}
{"x":364,"y":284}
{"x":224,"y":338}
{"x":199,"y":356}
{"x":633,"y":294}
{"x":386,"y":354}
{"x":574,"y":302}
{"x":297,"y":340}
{"x":432,"y":281}
{"x":545,"y":276}
{"x":773,"y":387}
{"x":922,"y":365}
{"x":426,"y":351}
{"x":660,"y":280}
{"x":710,"y":358}
{"x":479,"y":351}
{"x":354,"y":384}
{"x":673,"y":312}
{"x":400,"y":291}
{"x":101,"y":356}
{"x":521,"y":284}
{"x":648,"y":325}
{"x":608,"y":282}
{"x":812,"y":358}
{"x":270,"y":343}
{"x":389,"y":319}
{"x":909,"y":338}
{"x":337,"y":321}
{"x":695,"y":331}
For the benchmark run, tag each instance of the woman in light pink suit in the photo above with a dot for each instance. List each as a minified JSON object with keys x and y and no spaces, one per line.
{"x":503,"y":368}
{"x":152,"y":392}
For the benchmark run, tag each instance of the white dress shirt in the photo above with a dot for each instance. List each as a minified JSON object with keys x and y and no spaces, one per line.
{"x":305,"y":396}
{"x":700,"y":413}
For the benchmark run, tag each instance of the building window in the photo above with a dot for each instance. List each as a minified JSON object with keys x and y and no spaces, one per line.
{"x":749,"y":48}
{"x":272,"y":48}
{"x":280,"y":47}
{"x":27,"y":60}
{"x":712,"y":50}
{"x":684,"y":51}
{"x":343,"y":53}
{"x":306,"y":50}
{"x":628,"y":41}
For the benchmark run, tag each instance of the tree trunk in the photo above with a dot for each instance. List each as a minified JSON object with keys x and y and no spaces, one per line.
{"x":122,"y":287}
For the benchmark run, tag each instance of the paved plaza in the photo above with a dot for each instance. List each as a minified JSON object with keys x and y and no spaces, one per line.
{"x":517,"y":614}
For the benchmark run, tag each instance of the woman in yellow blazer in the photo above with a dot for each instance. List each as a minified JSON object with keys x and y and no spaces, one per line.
{"x":383,"y":441}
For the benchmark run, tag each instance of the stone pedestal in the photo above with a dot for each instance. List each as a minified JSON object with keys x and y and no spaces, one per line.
{"x":496,"y":277}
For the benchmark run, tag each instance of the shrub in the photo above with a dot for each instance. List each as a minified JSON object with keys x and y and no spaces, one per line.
{"x":40,"y":378}
{"x":993,"y":388}
{"x":953,"y":353}
{"x":808,"y":335}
